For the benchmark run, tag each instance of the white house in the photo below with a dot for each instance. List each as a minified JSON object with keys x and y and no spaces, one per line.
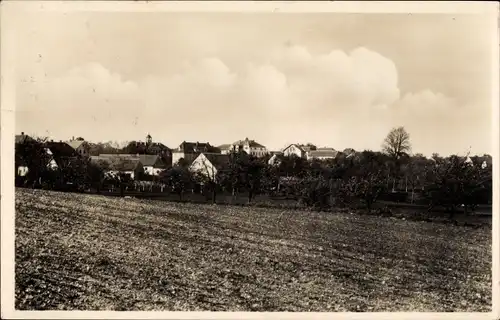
{"x":225,"y":148}
{"x":209,"y":164}
{"x":52,"y":163}
{"x":294,"y":150}
{"x":81,"y":147}
{"x":22,"y":170}
{"x":131,"y":167}
{"x":190,"y":150}
{"x":251,"y":147}
{"x":153,"y":164}
{"x":275,"y":159}
{"x":299,"y":150}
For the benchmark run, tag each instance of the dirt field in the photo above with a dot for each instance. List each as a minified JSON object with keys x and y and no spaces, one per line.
{"x":91,"y":252}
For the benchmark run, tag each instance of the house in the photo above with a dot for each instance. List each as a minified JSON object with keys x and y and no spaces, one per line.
{"x":486,"y":163}
{"x":60,"y":153}
{"x":349,"y":152}
{"x":131,"y":167}
{"x":22,"y":167}
{"x":152,"y":164}
{"x":150,"y":148}
{"x":80,"y":146}
{"x":162,"y":151}
{"x":276,"y":159}
{"x":159,"y":149}
{"x":190,"y":150}
{"x":209,"y":164}
{"x":322,"y":154}
{"x":22,"y":138}
{"x":225,"y":148}
{"x":52,"y":162}
{"x":251,"y":147}
{"x":299,"y":150}
{"x":468,"y":161}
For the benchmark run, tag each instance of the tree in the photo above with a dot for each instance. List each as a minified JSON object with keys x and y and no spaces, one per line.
{"x":315,"y":191}
{"x":293,"y":166}
{"x":182,"y":163}
{"x":135,"y":147}
{"x":32,"y":154}
{"x":243,"y":172}
{"x":366,"y":188}
{"x":454,"y":182}
{"x":178,"y":179}
{"x":253,"y":177}
{"x":364,"y":179}
{"x":270,"y":179}
{"x":397,"y":143}
{"x":233,"y":178}
{"x":415,"y":172}
{"x":95,"y":174}
{"x":77,"y":173}
{"x":397,"y":146}
{"x":100,"y":148}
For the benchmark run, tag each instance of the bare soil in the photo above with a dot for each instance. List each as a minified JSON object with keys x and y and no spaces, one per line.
{"x":90,"y":252}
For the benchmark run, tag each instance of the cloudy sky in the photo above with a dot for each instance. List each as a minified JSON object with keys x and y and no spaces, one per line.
{"x":337,"y":80}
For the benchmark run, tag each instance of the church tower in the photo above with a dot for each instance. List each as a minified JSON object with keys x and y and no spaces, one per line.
{"x":149,"y":140}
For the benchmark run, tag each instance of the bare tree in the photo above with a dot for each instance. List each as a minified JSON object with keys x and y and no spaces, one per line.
{"x":397,"y":143}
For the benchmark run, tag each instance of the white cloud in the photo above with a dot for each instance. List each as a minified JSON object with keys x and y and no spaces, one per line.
{"x":88,"y":85}
{"x":87,"y":100}
{"x":438,"y":123}
{"x":425,"y":103}
{"x":341,"y":99}
{"x":359,"y":79}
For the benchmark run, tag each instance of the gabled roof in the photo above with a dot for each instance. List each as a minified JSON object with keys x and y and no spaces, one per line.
{"x":272,"y":153}
{"x":218,"y":160}
{"x":75,"y":144}
{"x":251,"y":143}
{"x":296,"y":145}
{"x":60,"y":149}
{"x":349,"y":152}
{"x":196,"y":147}
{"x":121,"y":164}
{"x":145,"y":159}
{"x":277,"y":157}
{"x":158,"y":147}
{"x":22,"y":138}
{"x":308,"y":147}
{"x":325,"y":149}
{"x":323,"y":153}
{"x":224,"y":146}
{"x":149,"y":160}
{"x":302,"y":147}
{"x":96,"y":159}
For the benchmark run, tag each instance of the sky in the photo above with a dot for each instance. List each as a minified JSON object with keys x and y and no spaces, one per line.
{"x":332,"y":79}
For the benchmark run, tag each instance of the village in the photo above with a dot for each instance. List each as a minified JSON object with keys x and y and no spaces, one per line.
{"x":309,"y":175}
{"x":150,"y":158}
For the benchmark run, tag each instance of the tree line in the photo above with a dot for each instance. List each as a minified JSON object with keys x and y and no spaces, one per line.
{"x":357,"y":179}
